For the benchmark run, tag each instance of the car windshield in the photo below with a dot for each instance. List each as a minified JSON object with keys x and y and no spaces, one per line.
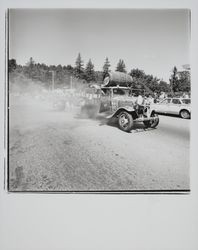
{"x":176,"y":101}
{"x":186,"y":101}
{"x":166,"y":101}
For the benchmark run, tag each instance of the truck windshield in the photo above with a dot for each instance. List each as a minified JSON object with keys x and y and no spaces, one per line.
{"x":124,"y":92}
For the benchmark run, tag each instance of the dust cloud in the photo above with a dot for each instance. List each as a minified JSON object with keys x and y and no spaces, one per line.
{"x":33,"y":104}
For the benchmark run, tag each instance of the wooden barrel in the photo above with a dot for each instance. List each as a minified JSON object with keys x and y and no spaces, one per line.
{"x":117,"y":78}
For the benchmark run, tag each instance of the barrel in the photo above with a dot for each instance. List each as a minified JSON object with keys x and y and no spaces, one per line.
{"x":117,"y":78}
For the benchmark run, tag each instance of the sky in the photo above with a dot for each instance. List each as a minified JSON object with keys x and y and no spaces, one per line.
{"x":152,"y":40}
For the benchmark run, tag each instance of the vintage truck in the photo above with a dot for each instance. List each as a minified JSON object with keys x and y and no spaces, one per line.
{"x":119,"y":100}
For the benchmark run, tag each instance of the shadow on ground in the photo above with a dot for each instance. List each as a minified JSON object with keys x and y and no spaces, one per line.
{"x":137,"y":127}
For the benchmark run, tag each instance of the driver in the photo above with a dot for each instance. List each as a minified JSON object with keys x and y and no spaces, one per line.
{"x":140,"y":102}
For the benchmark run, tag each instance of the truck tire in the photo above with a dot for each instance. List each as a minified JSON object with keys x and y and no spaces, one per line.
{"x":125,"y":121}
{"x":152,"y":124}
{"x":184,"y":114}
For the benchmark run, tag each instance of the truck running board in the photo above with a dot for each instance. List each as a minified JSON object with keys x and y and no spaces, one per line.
{"x":142,"y":119}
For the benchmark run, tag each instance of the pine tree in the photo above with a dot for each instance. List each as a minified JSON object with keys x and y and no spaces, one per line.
{"x":174,"y":80}
{"x":78,"y":71}
{"x":121,"y":66}
{"x":30,"y":63}
{"x":89,"y":71}
{"x":12,"y":65}
{"x":30,"y":69}
{"x":184,"y":81}
{"x":106,"y":66}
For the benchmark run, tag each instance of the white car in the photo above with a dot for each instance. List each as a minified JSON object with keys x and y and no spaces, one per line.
{"x":175,"y":106}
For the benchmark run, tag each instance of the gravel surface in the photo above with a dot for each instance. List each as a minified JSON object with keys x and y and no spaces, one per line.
{"x":61,"y":151}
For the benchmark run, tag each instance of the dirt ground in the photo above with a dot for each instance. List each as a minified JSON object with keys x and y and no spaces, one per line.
{"x":61,"y":151}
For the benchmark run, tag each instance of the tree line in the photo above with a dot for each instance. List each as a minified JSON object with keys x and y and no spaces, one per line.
{"x":179,"y":80}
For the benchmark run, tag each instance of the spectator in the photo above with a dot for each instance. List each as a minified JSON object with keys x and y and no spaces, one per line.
{"x":150,"y":100}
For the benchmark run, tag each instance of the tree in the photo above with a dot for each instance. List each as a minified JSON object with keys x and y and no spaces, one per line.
{"x":139,"y":78}
{"x":30,"y":69}
{"x":174,"y":83}
{"x":68,"y":67}
{"x":12,"y":65}
{"x":164,"y":86}
{"x":137,"y":73}
{"x":106,"y":66}
{"x":184,"y":81}
{"x":121,"y":66}
{"x":89,"y":71}
{"x":99,"y":77}
{"x":59,"y":73}
{"x":150,"y":83}
{"x":30,"y":63}
{"x":78,"y":71}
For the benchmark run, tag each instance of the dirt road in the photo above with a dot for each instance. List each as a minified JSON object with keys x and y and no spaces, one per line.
{"x":59,"y":151}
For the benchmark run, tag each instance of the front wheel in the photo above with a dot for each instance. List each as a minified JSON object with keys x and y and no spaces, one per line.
{"x":152,"y":123}
{"x":185,"y":114}
{"x":125,"y":121}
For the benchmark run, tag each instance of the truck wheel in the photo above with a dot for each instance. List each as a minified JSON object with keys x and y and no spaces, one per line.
{"x":153,"y":123}
{"x":185,"y":114}
{"x":125,"y":121}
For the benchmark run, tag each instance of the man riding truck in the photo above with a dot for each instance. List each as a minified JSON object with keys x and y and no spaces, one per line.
{"x":139,"y":104}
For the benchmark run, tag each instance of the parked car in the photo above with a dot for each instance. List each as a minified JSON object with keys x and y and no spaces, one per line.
{"x":175,"y":106}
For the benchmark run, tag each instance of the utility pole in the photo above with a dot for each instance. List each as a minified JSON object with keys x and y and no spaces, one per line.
{"x":71,"y":83}
{"x":53,"y":76}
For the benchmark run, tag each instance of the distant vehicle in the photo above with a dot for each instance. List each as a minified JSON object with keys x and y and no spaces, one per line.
{"x":174,"y":106}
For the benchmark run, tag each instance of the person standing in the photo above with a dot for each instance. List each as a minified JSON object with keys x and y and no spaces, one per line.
{"x":140,"y":100}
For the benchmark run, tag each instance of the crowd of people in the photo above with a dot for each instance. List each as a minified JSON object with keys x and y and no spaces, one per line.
{"x":143,"y":100}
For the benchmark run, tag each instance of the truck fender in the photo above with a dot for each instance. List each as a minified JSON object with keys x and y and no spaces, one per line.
{"x":127,"y":109}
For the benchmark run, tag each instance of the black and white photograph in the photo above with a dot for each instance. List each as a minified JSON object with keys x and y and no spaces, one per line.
{"x":99,"y":123}
{"x":99,"y":100}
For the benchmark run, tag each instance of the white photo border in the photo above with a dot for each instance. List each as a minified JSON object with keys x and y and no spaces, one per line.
{"x":87,"y":221}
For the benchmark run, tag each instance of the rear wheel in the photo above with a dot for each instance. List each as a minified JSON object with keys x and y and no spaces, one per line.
{"x":125,"y":121}
{"x":185,"y":114}
{"x":152,"y":123}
